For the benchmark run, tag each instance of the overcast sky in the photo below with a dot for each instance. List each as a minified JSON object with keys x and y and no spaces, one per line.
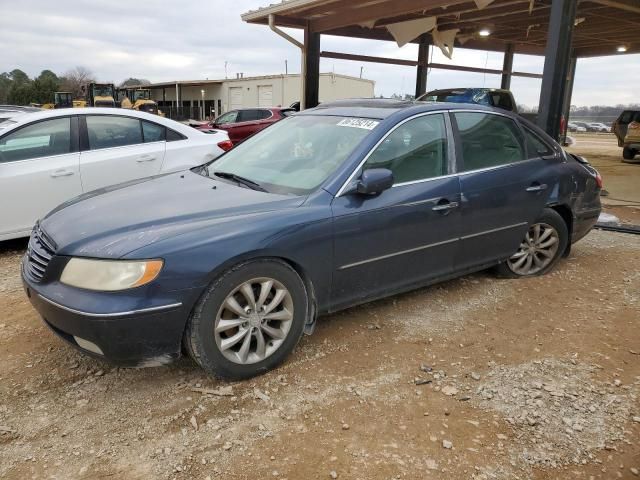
{"x":164,"y":40}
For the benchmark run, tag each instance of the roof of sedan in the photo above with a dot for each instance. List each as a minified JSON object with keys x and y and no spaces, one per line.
{"x":28,"y":117}
{"x":380,"y":108}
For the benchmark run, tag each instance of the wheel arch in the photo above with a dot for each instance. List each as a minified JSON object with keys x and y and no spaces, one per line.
{"x":305,"y":276}
{"x":567,"y":215}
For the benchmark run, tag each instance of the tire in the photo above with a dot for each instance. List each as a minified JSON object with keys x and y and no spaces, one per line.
{"x":224,"y":315}
{"x":628,"y":153}
{"x":544,"y":253}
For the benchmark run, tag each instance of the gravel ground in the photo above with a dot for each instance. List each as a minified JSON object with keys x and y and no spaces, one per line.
{"x":477,"y":378}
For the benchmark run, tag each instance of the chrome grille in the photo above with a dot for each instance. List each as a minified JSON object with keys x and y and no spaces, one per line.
{"x":39,"y":253}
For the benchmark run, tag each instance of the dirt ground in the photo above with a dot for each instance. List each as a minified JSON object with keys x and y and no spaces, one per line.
{"x":476,"y":378}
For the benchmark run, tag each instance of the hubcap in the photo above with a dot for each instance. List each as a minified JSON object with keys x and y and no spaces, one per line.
{"x":253,"y":321}
{"x":537,"y":250}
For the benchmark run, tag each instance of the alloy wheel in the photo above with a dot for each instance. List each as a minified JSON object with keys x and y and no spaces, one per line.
{"x":537,"y":250}
{"x":254,"y":320}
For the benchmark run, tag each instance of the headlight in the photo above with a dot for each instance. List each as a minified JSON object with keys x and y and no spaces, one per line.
{"x":109,"y":275}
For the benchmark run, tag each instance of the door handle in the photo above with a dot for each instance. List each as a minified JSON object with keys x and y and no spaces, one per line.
{"x":445,"y":207}
{"x":146,"y":158}
{"x":61,"y":173}
{"x":537,"y":188}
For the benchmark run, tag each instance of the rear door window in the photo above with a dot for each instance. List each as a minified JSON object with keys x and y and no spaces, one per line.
{"x":41,"y":139}
{"x":248,"y":115}
{"x":488,"y":140}
{"x":107,"y":131}
{"x":263,"y":114}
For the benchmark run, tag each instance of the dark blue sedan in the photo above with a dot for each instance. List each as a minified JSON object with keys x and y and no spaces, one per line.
{"x":333,"y":207}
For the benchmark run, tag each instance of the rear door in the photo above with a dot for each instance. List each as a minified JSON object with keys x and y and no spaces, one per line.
{"x":504,"y":185}
{"x":248,"y":123}
{"x":39,"y":169}
{"x":117,"y":149}
{"x":408,"y":233}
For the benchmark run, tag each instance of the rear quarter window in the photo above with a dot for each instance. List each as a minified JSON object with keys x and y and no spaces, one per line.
{"x":173,"y":136}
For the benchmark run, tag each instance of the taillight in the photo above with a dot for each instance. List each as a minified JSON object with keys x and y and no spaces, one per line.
{"x":226,"y":145}
{"x":598,"y":180}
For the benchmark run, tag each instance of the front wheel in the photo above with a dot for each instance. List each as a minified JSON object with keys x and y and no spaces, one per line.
{"x":542,"y":246}
{"x":249,"y":320}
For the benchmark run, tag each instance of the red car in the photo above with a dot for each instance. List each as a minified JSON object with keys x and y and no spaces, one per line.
{"x":244,"y":122}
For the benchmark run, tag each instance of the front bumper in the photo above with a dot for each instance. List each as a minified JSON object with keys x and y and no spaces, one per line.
{"x":129,"y":335}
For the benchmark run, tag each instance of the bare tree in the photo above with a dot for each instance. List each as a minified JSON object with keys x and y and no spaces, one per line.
{"x":75,"y":79}
{"x":134,"y":82}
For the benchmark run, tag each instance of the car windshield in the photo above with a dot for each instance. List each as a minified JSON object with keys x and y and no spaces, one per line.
{"x":296,"y":155}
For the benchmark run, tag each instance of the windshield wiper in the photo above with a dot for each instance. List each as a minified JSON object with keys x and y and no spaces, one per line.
{"x":244,"y":181}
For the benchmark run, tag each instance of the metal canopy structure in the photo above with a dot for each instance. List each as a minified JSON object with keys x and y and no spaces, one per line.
{"x":561,"y":30}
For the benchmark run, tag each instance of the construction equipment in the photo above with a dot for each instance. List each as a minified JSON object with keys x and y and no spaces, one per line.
{"x":62,"y":100}
{"x":100,"y":95}
{"x":138,"y":99}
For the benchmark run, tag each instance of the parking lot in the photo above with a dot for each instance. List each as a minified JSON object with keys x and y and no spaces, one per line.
{"x":475,"y":378}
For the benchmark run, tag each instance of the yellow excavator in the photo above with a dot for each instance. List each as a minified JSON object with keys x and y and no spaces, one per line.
{"x":138,"y":99}
{"x":100,"y":95}
{"x":64,"y":100}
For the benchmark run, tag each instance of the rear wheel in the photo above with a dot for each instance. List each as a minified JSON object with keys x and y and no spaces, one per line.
{"x":628,"y":153}
{"x":541,"y":248}
{"x":249,"y":320}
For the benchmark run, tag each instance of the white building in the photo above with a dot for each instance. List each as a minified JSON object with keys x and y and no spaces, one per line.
{"x":220,"y":96}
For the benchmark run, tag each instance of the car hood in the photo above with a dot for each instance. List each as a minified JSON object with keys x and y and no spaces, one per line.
{"x":114,"y":221}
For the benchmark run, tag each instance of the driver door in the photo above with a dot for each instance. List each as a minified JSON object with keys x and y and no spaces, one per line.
{"x":407,"y":234}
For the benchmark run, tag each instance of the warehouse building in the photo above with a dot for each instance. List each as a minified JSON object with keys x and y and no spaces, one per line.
{"x":185,"y":99}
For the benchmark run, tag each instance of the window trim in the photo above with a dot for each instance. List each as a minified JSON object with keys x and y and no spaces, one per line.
{"x":451,"y":151}
{"x":74,"y":146}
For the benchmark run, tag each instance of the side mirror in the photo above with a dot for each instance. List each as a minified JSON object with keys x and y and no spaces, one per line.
{"x":375,"y":180}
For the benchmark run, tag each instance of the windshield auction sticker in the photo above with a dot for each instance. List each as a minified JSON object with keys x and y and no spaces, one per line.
{"x":358,"y":123}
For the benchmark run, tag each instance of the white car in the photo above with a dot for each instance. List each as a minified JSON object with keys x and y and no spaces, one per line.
{"x":572,"y":127}
{"x":599,"y":127}
{"x":49,"y":157}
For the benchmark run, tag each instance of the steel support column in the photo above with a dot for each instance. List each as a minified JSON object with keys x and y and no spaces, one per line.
{"x":423,"y":61}
{"x":311,"y":68}
{"x":566,"y":107}
{"x":507,"y":67}
{"x":556,"y":65}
